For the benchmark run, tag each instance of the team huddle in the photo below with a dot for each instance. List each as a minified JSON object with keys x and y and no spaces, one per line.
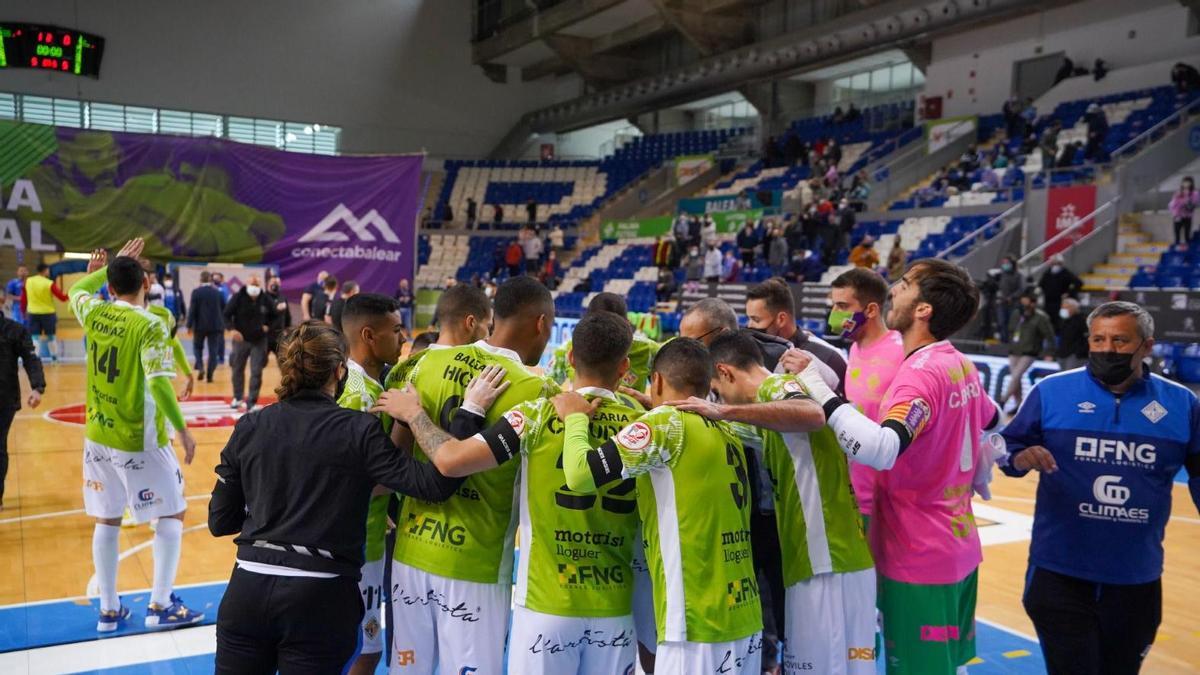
{"x":726,"y":502}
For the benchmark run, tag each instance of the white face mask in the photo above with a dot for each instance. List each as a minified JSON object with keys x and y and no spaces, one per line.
{"x":1064,"y":314}
{"x":169,"y":284}
{"x":253,"y":290}
{"x":1056,"y":268}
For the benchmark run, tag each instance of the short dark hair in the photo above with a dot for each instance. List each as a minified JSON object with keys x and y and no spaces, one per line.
{"x":867,"y":285}
{"x":522,"y":295}
{"x":775,"y":294}
{"x":608,"y":302}
{"x":950,"y":291}
{"x":600,"y":342}
{"x":350,"y":287}
{"x":686,"y":365}
{"x":366,"y":307}
{"x":423,"y":341}
{"x":125,"y":275}
{"x":42,"y":267}
{"x":205,"y":277}
{"x":330,"y":282}
{"x":738,"y":349}
{"x":460,"y":301}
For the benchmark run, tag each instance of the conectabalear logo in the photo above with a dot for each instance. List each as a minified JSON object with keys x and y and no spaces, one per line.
{"x":332,"y":229}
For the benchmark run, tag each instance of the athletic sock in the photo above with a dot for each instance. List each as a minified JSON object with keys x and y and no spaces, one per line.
{"x":105,"y":550}
{"x":168,"y":537}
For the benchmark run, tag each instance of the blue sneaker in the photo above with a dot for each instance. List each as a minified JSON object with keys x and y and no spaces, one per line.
{"x":171,"y":616}
{"x":112,"y":620}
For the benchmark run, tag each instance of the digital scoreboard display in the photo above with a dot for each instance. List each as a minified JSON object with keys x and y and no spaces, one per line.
{"x":24,"y":45}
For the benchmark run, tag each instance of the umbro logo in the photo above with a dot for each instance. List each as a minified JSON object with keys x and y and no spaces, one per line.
{"x":361,"y":227}
{"x":1087,"y":407}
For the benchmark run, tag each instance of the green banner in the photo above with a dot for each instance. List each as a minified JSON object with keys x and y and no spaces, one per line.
{"x":728,"y":221}
{"x":426,"y":304}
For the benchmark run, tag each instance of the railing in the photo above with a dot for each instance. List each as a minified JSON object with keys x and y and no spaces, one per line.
{"x":1180,"y":116}
{"x":1110,"y":204}
{"x":983,"y":228}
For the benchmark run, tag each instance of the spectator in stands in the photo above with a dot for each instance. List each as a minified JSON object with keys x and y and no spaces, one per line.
{"x":1008,"y":289}
{"x":513,"y":257}
{"x":777,"y":252}
{"x":1032,"y":335}
{"x":693,"y":267}
{"x":827,"y":231}
{"x":1000,"y":158}
{"x":806,"y":194}
{"x":557,"y":238}
{"x":665,"y":288}
{"x":708,"y":232}
{"x":743,"y":201}
{"x":349,"y":290}
{"x":497,"y":215}
{"x":897,"y":260}
{"x":404,"y":298}
{"x":805,"y":266}
{"x":1185,"y":77}
{"x":531,"y":245}
{"x":831,"y":175}
{"x":531,"y":212}
{"x":1183,"y":209}
{"x":551,"y":271}
{"x":1068,"y":153}
{"x":969,"y":160}
{"x":818,"y":149}
{"x":731,"y":268}
{"x":1072,"y":335}
{"x":663,"y":251}
{"x":853,"y":114}
{"x":712,"y":263}
{"x":447,"y":213}
{"x":695,"y":226}
{"x":747,"y":241}
{"x":1097,"y":132}
{"x":680,"y":228}
{"x":1029,"y":116}
{"x":1099,"y":69}
{"x":1049,"y":144}
{"x":865,"y":255}
{"x":833,"y":153}
{"x":1065,"y":70}
{"x":1057,"y":282}
{"x":860,"y":191}
{"x":1029,"y":143}
{"x":793,"y":149}
{"x":472,"y":208}
{"x":1012,"y":118}
{"x":838,"y":115}
{"x":846,"y":220}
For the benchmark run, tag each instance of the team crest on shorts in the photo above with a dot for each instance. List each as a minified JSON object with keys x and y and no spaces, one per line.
{"x":636,"y":436}
{"x":516,"y":420}
{"x":371,"y":628}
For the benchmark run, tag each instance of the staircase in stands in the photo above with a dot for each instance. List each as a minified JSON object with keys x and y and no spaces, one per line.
{"x":1134,"y":250}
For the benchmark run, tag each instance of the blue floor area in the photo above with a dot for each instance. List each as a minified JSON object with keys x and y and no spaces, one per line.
{"x":55,"y":623}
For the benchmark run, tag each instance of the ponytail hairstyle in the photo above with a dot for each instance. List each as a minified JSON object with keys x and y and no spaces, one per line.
{"x":309,"y":355}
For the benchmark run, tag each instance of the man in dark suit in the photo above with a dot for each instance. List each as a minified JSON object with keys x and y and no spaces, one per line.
{"x":206,"y":324}
{"x":15,"y":343}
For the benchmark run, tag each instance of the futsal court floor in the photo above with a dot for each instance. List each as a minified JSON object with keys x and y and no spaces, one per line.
{"x":48,"y":609}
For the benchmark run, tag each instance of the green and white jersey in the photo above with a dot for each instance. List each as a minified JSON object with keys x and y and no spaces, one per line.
{"x":820,"y":530}
{"x":126,"y":346}
{"x":179,"y":356}
{"x":470,"y":535}
{"x":693,"y":496}
{"x":398,"y":375}
{"x":361,"y":393}
{"x":641,"y":357}
{"x":576,"y":547}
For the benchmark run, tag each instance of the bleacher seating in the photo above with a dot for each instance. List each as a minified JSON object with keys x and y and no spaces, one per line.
{"x":1178,"y":267}
{"x":565,"y":191}
{"x":462,"y":257}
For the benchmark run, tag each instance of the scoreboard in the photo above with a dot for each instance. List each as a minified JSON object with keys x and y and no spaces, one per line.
{"x":24,"y":45}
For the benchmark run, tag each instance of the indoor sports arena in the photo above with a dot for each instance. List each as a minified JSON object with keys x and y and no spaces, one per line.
{"x":600,"y":337}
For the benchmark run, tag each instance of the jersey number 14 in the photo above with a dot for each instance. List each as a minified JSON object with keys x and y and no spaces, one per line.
{"x":104,"y":362}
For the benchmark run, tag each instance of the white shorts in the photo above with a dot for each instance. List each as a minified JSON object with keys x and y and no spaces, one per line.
{"x":448,"y":625}
{"x":546,"y":644}
{"x":739,"y":657}
{"x":149,"y":483}
{"x":371,"y":587}
{"x":643,"y":601}
{"x":830,"y":625}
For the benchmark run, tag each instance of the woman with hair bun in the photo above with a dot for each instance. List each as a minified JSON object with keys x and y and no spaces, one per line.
{"x":294,"y":483}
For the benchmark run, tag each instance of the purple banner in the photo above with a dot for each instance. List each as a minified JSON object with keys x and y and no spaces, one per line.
{"x":211,"y":200}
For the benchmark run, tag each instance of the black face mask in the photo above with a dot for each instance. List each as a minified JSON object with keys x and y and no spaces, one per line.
{"x":1111,"y":368}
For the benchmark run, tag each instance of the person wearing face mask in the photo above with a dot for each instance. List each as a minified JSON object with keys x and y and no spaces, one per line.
{"x":283,"y":316}
{"x":294,"y":485}
{"x":1032,"y":336}
{"x":1008,"y":288}
{"x":1072,"y":336}
{"x":865,"y":255}
{"x":1183,"y":208}
{"x":248,"y":317}
{"x":173,"y":298}
{"x":1056,"y":283}
{"x":1108,"y":442}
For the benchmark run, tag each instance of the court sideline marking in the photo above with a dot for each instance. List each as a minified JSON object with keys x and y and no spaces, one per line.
{"x":72,"y":512}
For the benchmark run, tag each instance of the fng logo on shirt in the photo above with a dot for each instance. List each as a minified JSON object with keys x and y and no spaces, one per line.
{"x":435,"y":530}
{"x":1112,"y":451}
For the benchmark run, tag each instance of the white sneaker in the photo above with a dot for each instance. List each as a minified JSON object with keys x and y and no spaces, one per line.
{"x":235,"y":403}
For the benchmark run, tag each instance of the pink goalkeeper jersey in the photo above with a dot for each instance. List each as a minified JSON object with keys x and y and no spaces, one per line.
{"x":923,"y":530}
{"x":869,"y":373}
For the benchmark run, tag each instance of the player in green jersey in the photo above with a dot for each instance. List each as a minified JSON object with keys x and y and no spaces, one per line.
{"x":574,"y":581}
{"x":694,"y":496}
{"x":641,"y":354}
{"x":829,"y":601}
{"x":452,"y":568}
{"x":374,"y":334}
{"x":464,"y":316}
{"x":127,"y":456}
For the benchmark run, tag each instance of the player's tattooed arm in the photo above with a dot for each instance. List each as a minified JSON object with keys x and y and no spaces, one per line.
{"x":428,"y":435}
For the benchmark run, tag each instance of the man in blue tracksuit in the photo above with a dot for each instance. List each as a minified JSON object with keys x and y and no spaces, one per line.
{"x":1109,"y":440}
